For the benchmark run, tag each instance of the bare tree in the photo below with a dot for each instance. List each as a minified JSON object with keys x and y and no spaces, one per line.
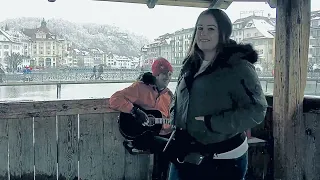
{"x":14,"y":60}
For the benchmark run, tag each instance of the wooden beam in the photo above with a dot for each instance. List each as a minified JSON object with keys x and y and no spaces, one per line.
{"x":292,"y":44}
{"x":28,"y":109}
{"x":221,"y":4}
{"x":186,"y":3}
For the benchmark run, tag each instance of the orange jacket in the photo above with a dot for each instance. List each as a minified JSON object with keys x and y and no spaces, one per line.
{"x":146,"y":96}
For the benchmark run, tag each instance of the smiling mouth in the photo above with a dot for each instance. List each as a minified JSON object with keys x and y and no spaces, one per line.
{"x":204,"y":40}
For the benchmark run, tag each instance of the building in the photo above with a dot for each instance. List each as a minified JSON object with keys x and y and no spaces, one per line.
{"x":166,"y":46}
{"x":38,"y":46}
{"x":135,"y":63}
{"x":98,"y":56}
{"x":47,"y":49}
{"x":65,"y":53}
{"x":88,"y":59}
{"x":180,"y":45}
{"x":120,"y":62}
{"x":149,"y":53}
{"x":260,"y":32}
{"x":44,"y":49}
{"x":314,"y":44}
{"x":21,"y":38}
{"x":12,"y":41}
{"x":172,"y":46}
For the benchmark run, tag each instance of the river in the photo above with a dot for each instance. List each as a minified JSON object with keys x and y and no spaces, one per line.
{"x":84,"y":91}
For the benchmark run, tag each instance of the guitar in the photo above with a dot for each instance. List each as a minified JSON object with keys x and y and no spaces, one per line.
{"x":131,"y":129}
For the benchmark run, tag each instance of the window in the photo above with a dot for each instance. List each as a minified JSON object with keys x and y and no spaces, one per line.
{"x":260,"y":51}
{"x":312,"y":42}
{"x":314,"y":23}
{"x":317,"y":51}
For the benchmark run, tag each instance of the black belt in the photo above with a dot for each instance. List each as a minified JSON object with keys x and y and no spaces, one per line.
{"x":219,"y":147}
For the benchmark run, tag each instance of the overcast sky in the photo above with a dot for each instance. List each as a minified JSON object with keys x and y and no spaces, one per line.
{"x":134,"y":17}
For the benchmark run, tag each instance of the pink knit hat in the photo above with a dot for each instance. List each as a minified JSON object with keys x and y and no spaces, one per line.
{"x":161,"y":65}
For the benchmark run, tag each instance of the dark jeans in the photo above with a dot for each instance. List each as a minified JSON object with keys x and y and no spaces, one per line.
{"x":214,"y":169}
{"x":160,"y":162}
{"x":160,"y":167}
{"x":151,"y":142}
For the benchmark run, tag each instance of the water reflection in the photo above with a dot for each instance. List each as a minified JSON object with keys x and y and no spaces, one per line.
{"x":38,"y":92}
{"x":82,"y":91}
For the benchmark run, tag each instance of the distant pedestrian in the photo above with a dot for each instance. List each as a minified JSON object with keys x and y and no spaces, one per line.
{"x":100,"y":72}
{"x":94,"y":70}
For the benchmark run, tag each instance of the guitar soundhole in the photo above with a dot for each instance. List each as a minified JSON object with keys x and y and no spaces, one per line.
{"x":132,"y":129}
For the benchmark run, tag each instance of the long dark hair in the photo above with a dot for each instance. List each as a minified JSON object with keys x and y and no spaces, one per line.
{"x":194,"y":54}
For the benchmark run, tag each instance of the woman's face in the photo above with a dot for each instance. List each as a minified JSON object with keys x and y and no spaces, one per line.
{"x":207,"y":34}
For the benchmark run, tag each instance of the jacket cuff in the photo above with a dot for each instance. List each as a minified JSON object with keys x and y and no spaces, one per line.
{"x":133,"y":110}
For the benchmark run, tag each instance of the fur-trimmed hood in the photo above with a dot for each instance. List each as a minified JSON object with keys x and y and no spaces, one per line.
{"x":229,"y":55}
{"x":147,"y":78}
{"x":242,"y":51}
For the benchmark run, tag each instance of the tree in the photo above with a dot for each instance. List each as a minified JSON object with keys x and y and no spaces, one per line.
{"x":14,"y":60}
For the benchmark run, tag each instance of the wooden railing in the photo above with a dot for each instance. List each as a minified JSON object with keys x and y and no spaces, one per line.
{"x":68,"y":139}
{"x":108,"y":74}
{"x":310,"y":144}
{"x":76,"y":139}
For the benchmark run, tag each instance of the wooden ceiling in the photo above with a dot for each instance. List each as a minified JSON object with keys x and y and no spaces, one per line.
{"x":221,"y":4}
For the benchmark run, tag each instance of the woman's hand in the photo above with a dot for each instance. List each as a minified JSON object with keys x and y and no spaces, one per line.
{"x":166,"y":126}
{"x":166,"y":129}
{"x":199,"y":118}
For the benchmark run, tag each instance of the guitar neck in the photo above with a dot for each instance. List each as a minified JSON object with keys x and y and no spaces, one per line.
{"x":160,"y":121}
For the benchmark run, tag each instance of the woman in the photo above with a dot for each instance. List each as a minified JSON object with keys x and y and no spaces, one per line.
{"x":218,"y":97}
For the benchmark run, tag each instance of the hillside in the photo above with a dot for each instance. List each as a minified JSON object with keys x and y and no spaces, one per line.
{"x":107,"y":38}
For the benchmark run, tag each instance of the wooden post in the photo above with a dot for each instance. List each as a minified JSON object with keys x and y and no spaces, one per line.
{"x":292,"y":44}
{"x":58,"y":91}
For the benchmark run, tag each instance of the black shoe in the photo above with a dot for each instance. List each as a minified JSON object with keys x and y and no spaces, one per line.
{"x":132,"y":150}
